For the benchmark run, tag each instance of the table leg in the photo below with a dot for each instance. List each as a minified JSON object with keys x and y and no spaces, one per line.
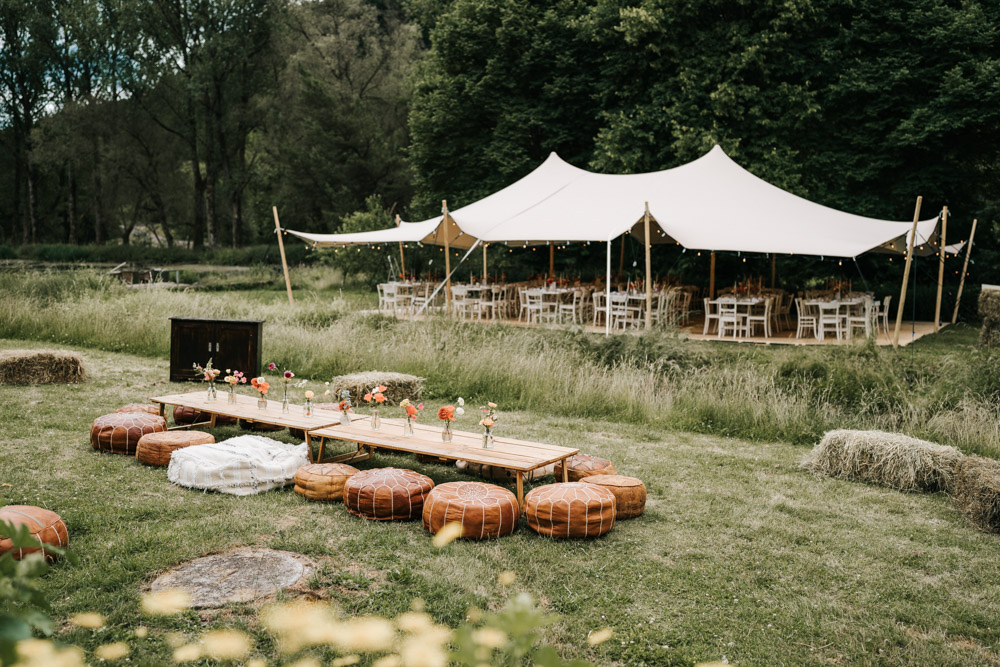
{"x":565,"y":469}
{"x":520,"y":491}
{"x":163,"y":410}
{"x":211,"y":421}
{"x":319,"y":455}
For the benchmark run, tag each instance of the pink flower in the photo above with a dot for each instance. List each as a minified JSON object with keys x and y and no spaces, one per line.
{"x":289,"y":375}
{"x":271,"y":366}
{"x":420,"y":406}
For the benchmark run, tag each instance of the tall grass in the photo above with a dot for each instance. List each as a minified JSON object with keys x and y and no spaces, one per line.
{"x":942,"y":390}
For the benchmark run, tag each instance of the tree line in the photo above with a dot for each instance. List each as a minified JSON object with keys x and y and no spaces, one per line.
{"x":186,"y":119}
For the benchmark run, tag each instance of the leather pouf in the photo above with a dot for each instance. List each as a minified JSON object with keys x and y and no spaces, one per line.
{"x":155,"y":448}
{"x":140,"y":407}
{"x":323,"y":481}
{"x":45,"y":525}
{"x":484,"y":510}
{"x":630,"y":493}
{"x":387,"y":494}
{"x":119,"y":432}
{"x":300,"y":434}
{"x":585,"y":465}
{"x":571,"y":509}
{"x":184,"y":416}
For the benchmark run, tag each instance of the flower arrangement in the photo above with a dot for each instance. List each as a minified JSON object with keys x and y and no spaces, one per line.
{"x":307,"y":406}
{"x":208,"y":374}
{"x":285,"y":379}
{"x":377,"y":396}
{"x":447,"y":415}
{"x":234,"y":378}
{"x":345,"y":406}
{"x":261,"y":385}
{"x":412,"y":412}
{"x":488,"y":421}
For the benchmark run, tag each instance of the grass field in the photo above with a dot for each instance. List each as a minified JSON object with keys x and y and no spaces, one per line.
{"x":740,"y":553}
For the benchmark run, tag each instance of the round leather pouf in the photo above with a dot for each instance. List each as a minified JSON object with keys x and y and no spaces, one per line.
{"x":630,"y":493}
{"x":155,"y":448}
{"x":119,"y":432}
{"x":570,"y":509}
{"x":184,"y":416}
{"x":323,"y":481}
{"x":483,"y":510}
{"x":585,"y":465}
{"x":140,"y":407}
{"x":45,"y":525}
{"x":387,"y":494}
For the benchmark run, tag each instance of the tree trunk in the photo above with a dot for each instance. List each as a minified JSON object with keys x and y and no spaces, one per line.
{"x":210,"y":178}
{"x":198,"y":232}
{"x":160,"y":215}
{"x":31,"y":227}
{"x":70,"y":203}
{"x":96,"y":203}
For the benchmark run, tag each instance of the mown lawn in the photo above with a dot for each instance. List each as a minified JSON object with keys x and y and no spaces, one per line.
{"x":740,"y":554}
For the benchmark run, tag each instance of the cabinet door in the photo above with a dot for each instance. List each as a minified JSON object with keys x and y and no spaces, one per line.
{"x":238,"y":347}
{"x":190,"y":343}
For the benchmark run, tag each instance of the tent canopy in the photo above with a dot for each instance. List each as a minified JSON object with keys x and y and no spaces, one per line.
{"x":711,"y":203}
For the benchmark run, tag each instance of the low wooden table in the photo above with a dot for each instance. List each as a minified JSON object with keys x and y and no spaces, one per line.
{"x":245,"y":408}
{"x":518,"y":455}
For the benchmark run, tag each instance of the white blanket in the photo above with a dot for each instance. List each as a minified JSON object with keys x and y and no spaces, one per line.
{"x":242,"y":466}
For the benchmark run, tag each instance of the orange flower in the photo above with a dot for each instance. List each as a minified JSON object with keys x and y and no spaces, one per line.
{"x":447,"y":413}
{"x":259,"y":385}
{"x":487,"y":422}
{"x":367,"y":398}
{"x":380,"y":397}
{"x":411,"y":411}
{"x":343,"y":405}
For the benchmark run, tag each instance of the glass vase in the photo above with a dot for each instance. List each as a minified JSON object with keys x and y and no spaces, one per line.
{"x":488,"y":438}
{"x":408,"y":428}
{"x":376,"y":420}
{"x":307,"y":408}
{"x":262,"y":402}
{"x":284,"y":400}
{"x":446,"y":433}
{"x":345,"y":418}
{"x":212,"y":395}
{"x":232,"y":393}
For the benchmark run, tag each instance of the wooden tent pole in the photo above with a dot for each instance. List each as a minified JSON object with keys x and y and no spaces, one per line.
{"x":965,"y":269}
{"x":402,"y":259}
{"x":484,"y":263}
{"x":774,"y":269}
{"x":552,"y":261}
{"x":649,"y":271}
{"x":281,"y":249}
{"x":711,"y":277}
{"x":447,"y":254}
{"x":906,"y":273}
{"x":942,"y":241}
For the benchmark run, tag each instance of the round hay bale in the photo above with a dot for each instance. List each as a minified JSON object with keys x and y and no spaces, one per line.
{"x":585,"y":465}
{"x":148,"y":408}
{"x":886,"y":459}
{"x":570,"y":509}
{"x":40,"y":367}
{"x":184,"y":416}
{"x":503,"y":475}
{"x":323,"y":481}
{"x":119,"y":432}
{"x":484,"y":510}
{"x":398,"y":385}
{"x":300,"y":434}
{"x":155,"y":448}
{"x":630,"y":493}
{"x":977,"y":492}
{"x":45,"y":525}
{"x":387,"y":494}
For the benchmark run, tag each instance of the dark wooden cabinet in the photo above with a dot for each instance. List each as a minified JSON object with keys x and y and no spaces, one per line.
{"x":233,"y":344}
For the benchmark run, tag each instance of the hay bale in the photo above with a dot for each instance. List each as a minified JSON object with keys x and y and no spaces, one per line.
{"x":989,"y":310}
{"x":399,"y":385}
{"x":886,"y":459}
{"x":977,"y":492}
{"x":40,"y":367}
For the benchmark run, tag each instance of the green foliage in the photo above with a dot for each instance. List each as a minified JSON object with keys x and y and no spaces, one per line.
{"x":146,"y":255}
{"x":23,"y":605}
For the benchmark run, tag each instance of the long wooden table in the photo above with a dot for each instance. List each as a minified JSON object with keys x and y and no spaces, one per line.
{"x":245,"y":408}
{"x":518,"y":455}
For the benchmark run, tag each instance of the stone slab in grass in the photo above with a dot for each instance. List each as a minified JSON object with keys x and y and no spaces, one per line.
{"x":398,"y":386}
{"x":242,"y":575}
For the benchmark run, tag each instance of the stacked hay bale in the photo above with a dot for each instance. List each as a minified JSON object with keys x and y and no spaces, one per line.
{"x":886,"y":459}
{"x":977,"y":492}
{"x":40,"y":367}
{"x":989,"y":310}
{"x":398,"y":386}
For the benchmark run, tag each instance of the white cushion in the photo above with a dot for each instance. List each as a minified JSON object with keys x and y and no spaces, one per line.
{"x":242,"y":466}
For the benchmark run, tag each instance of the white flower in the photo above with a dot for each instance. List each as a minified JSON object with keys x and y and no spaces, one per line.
{"x":461,"y":401}
{"x":460,"y":411}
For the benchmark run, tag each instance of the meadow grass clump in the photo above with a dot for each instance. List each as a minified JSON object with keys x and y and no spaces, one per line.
{"x":886,"y":459}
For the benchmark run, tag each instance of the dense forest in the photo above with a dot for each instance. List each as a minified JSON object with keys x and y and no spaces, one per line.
{"x":180,"y":122}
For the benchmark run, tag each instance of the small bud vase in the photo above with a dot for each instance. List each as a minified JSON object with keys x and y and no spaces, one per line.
{"x":376,"y":420}
{"x":262,"y":402}
{"x":212,"y":395}
{"x":232,"y":393}
{"x":345,"y":418}
{"x":408,"y":428}
{"x":284,"y":400}
{"x":488,"y":438}
{"x":307,"y":408}
{"x":446,"y":433}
